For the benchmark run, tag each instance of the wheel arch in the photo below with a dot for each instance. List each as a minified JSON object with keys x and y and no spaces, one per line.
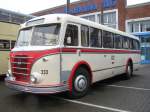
{"x":129,"y":61}
{"x":83,"y":64}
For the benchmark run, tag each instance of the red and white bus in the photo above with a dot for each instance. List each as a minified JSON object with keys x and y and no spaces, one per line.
{"x":60,"y":52}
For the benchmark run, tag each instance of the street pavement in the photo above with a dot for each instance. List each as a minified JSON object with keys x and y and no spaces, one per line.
{"x":112,"y":95}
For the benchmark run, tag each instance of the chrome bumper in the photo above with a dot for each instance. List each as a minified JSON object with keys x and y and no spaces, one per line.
{"x":35,"y":89}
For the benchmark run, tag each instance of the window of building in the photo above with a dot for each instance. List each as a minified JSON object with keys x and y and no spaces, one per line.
{"x":109,"y":19}
{"x":99,"y":18}
{"x":71,"y":36}
{"x":118,"y":41}
{"x":90,"y":17}
{"x":4,"y":44}
{"x":145,"y":26}
{"x":107,"y":39}
{"x":139,"y":26}
{"x":95,"y":37}
{"x":84,"y":36}
{"x":13,"y":17}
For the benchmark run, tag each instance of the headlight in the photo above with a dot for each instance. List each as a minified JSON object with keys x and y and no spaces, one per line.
{"x":35,"y":77}
{"x":8,"y":73}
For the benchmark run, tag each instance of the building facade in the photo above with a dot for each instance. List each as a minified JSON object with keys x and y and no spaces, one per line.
{"x":13,"y":17}
{"x":113,"y":13}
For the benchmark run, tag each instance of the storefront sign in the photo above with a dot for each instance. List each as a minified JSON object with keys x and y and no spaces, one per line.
{"x":79,"y":9}
{"x":109,"y":3}
{"x":87,"y":8}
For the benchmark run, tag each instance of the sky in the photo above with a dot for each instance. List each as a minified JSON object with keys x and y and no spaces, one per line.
{"x":30,"y":6}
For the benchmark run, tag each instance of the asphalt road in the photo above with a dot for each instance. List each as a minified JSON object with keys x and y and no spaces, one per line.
{"x":111,"y":95}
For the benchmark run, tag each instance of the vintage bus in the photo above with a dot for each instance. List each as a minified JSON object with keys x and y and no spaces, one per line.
{"x":60,"y":52}
{"x":8,"y":34}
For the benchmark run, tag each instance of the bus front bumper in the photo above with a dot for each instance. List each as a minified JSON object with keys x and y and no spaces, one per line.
{"x":30,"y":88}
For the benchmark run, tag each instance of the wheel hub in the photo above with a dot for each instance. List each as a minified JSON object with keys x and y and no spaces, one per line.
{"x":129,"y":70}
{"x":80,"y":83}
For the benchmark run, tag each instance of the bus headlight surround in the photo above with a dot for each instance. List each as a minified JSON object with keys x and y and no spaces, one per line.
{"x":35,"y":77}
{"x":8,"y":73}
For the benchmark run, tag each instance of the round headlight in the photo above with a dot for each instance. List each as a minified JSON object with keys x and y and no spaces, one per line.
{"x":8,"y":73}
{"x":35,"y":77}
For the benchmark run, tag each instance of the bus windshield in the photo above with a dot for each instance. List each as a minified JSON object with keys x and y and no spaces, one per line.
{"x":43,"y":35}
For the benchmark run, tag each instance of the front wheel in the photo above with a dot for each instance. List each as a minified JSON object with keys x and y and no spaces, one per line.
{"x":80,"y":83}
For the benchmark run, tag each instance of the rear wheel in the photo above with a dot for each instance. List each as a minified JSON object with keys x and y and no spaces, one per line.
{"x":80,"y":83}
{"x":129,"y":71}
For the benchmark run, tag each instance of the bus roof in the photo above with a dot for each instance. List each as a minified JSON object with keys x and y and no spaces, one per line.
{"x":58,"y":18}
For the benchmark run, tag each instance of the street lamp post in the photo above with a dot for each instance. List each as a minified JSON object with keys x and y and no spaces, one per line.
{"x":68,"y":4}
{"x":102,"y":13}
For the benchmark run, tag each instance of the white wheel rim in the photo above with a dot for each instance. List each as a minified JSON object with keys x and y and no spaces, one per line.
{"x":80,"y":83}
{"x":129,"y":70}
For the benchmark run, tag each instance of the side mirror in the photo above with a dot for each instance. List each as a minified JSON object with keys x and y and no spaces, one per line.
{"x":68,"y":40}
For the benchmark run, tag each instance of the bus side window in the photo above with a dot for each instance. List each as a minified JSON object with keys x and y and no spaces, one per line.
{"x":130,"y":43}
{"x":84,"y":36}
{"x":118,"y":41}
{"x":12,"y":44}
{"x":71,"y":36}
{"x":108,"y":39}
{"x":125,"y":42}
{"x":136,"y":45}
{"x":4,"y":44}
{"x":95,"y":37}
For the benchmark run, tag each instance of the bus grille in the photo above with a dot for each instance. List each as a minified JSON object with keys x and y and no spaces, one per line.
{"x":20,"y":66}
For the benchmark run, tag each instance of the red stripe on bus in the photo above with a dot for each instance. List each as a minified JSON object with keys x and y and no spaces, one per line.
{"x":69,"y":50}
{"x":108,"y":51}
{"x":36,"y":54}
{"x":88,"y":50}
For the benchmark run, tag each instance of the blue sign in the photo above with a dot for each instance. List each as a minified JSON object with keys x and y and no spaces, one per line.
{"x":109,"y":3}
{"x":80,"y":9}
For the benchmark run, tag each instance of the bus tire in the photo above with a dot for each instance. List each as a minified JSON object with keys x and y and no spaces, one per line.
{"x":80,"y":83}
{"x":129,"y":71}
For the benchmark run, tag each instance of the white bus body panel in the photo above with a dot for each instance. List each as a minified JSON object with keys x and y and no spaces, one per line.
{"x":52,"y":64}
